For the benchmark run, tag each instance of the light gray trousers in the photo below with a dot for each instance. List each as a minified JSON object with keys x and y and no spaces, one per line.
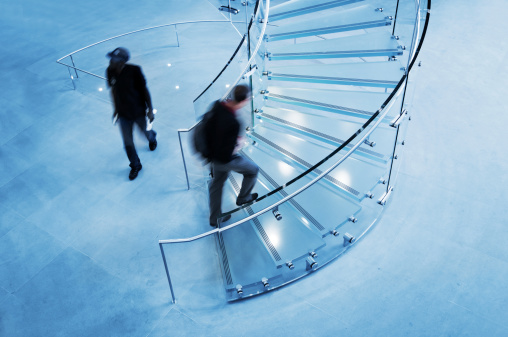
{"x":239,"y":164}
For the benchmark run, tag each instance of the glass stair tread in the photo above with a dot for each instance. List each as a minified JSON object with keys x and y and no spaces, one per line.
{"x":329,"y":213}
{"x":300,"y":7}
{"x":352,"y":103}
{"x":333,"y":131}
{"x":373,"y":74}
{"x":361,"y":17}
{"x":287,"y":239}
{"x":363,"y":45}
{"x":244,"y":261}
{"x":354,"y":177}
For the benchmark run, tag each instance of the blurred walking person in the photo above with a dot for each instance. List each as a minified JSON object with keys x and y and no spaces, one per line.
{"x":132,"y":103}
{"x":222,"y":134}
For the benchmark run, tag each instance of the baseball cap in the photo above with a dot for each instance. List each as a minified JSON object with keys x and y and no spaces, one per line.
{"x":120,"y":54}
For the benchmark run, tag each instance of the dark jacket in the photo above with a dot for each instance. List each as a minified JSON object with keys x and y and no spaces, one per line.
{"x":129,"y":91}
{"x":222,"y":133}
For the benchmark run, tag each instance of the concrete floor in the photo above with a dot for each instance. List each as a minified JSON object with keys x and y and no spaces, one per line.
{"x":78,"y":241}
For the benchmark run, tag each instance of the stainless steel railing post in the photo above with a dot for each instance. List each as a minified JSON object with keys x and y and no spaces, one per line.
{"x":177,"y":39}
{"x":183,"y":158}
{"x":72,"y":60}
{"x":167,"y":272}
{"x":72,"y":78}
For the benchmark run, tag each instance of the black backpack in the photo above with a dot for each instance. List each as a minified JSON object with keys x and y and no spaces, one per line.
{"x":200,"y":135}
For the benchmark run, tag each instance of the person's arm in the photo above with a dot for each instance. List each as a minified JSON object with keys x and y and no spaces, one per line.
{"x":108,"y":82}
{"x":148,"y":101}
{"x":146,"y":95}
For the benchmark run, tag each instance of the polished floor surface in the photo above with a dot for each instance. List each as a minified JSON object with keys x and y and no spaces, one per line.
{"x":78,"y":240}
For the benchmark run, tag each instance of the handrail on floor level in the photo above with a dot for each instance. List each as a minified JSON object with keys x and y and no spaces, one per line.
{"x":73,"y":66}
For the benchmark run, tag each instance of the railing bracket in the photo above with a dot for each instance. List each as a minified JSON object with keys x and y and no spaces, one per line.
{"x":290,"y":265}
{"x":277,"y":214}
{"x":334,"y":232}
{"x":239,"y":289}
{"x":385,"y":196}
{"x":348,"y":239}
{"x":369,"y":195}
{"x":397,"y":120}
{"x":369,"y":143}
{"x":311,"y":263}
{"x":353,"y":219}
{"x":379,"y":9}
{"x":312,"y":254}
{"x":264,"y":280}
{"x":250,"y":72}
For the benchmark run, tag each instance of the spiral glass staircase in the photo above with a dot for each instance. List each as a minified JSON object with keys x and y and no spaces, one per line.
{"x":332,"y":82}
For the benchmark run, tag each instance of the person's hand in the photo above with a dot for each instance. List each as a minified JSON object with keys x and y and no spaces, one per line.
{"x":150,"y":115}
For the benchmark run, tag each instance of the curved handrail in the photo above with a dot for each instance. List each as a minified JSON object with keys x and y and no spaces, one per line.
{"x":387,"y":102}
{"x":289,"y":196}
{"x":133,"y":32}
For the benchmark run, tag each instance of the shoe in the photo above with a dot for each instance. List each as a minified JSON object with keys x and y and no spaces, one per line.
{"x":134,"y":172}
{"x":250,"y":198}
{"x":224,"y":219}
{"x":152,"y":145}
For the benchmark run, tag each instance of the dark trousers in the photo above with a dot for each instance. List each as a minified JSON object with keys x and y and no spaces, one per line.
{"x":126,"y":128}
{"x":239,"y":164}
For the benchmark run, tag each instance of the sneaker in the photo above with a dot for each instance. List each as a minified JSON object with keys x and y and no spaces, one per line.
{"x":134,"y":172}
{"x":152,"y":145}
{"x":250,"y":198}
{"x":224,"y":219}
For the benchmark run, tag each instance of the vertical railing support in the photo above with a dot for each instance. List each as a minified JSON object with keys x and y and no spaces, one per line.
{"x":72,"y":78}
{"x":75,"y":71}
{"x":395,"y":17}
{"x":183,"y":158}
{"x":167,"y":272}
{"x":413,"y":43}
{"x":177,"y":39}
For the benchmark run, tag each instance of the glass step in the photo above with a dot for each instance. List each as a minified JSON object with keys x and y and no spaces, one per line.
{"x":369,"y":74}
{"x":333,"y":131}
{"x":361,"y":17}
{"x":332,"y":211}
{"x":363,"y":45}
{"x":352,"y":103}
{"x":353,"y":177}
{"x":300,"y":7}
{"x":287,"y":239}
{"x":244,"y":261}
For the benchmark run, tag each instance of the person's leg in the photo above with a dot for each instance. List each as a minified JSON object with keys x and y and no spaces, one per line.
{"x":220,"y":174}
{"x":150,"y":135}
{"x":128,"y":142}
{"x":249,"y":170}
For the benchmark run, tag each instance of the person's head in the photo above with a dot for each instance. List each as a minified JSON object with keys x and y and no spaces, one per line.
{"x":240,"y":96}
{"x":118,"y":58}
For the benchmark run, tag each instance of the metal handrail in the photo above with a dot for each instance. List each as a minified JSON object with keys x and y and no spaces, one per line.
{"x":181,"y":150}
{"x":301,"y":189}
{"x":133,"y":32}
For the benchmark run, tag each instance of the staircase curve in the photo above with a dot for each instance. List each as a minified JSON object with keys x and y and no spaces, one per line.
{"x":331,"y":83}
